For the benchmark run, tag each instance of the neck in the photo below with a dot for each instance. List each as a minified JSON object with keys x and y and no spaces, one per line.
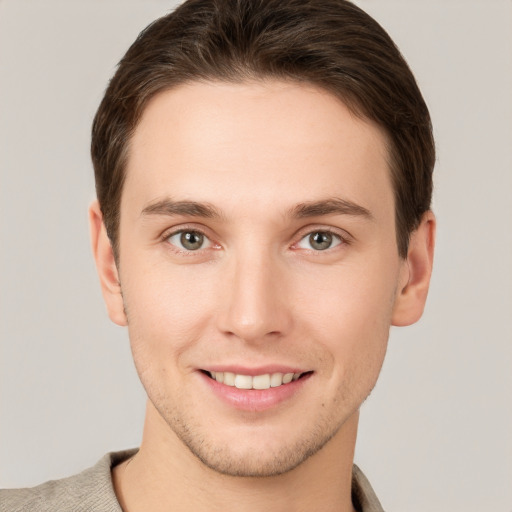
{"x":165,"y":475}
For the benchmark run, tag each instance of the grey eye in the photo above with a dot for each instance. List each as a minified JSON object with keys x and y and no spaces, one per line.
{"x":320,"y":241}
{"x":189,"y":240}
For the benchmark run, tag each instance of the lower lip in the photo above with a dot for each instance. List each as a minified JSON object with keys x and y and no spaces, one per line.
{"x":254,"y":399}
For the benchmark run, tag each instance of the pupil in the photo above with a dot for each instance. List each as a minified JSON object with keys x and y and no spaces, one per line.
{"x":191,"y":240}
{"x":320,"y":241}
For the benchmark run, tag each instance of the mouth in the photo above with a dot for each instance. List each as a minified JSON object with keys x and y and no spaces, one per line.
{"x":258,"y":382}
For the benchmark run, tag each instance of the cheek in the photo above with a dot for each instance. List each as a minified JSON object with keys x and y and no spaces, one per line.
{"x":358,"y":298}
{"x":351,"y":316}
{"x":167,"y":310}
{"x":165,"y":320}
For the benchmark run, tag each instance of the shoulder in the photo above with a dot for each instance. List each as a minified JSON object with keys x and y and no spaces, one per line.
{"x":363,"y":495}
{"x":91,"y":490}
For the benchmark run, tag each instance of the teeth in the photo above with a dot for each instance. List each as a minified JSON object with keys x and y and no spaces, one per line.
{"x":264,"y":381}
{"x":243,"y":382}
{"x":287,"y":377}
{"x":276,"y":379}
{"x":229,"y":378}
{"x":261,"y":381}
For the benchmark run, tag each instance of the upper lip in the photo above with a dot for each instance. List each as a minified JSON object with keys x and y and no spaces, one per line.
{"x":260,"y":370}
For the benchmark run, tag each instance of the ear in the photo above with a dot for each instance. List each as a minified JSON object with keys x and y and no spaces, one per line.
{"x":415,"y":273}
{"x":106,"y":266}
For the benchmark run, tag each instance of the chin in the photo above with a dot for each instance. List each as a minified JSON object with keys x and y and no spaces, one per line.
{"x":259,"y":453}
{"x":255,"y":463}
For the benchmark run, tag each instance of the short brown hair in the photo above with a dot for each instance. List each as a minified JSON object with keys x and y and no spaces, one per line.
{"x":329,"y":43}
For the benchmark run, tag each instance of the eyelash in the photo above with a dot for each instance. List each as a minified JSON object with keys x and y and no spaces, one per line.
{"x":344,"y":239}
{"x":168,"y":234}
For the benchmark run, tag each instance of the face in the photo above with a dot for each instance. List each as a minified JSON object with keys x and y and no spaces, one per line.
{"x":257,"y":246}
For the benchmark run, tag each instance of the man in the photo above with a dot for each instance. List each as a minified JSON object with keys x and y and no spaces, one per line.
{"x":264,"y":174}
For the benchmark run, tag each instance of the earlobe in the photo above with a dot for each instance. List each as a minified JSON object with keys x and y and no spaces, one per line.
{"x":106,"y":266}
{"x":415,"y":273}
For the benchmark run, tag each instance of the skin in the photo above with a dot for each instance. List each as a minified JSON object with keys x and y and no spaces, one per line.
{"x":257,"y":292}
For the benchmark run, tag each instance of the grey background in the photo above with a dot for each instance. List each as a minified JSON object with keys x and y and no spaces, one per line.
{"x":436,"y":434}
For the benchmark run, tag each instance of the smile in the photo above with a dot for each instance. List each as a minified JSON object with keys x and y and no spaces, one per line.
{"x":264,"y":381}
{"x":255,"y":390}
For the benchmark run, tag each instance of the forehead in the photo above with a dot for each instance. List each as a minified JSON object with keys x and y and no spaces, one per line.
{"x":267,"y":141}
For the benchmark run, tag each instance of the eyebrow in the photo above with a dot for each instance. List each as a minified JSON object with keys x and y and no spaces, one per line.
{"x":330,"y":206}
{"x":192,"y":208}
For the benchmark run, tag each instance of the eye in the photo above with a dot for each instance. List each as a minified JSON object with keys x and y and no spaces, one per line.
{"x":320,"y":241}
{"x":189,"y":240}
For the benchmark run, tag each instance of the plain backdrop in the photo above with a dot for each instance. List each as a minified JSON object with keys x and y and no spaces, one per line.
{"x":436,"y":434}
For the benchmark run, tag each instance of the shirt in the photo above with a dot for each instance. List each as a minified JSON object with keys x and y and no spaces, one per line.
{"x":92,"y":490}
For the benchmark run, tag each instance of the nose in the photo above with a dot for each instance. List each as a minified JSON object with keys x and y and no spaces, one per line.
{"x":254,"y":303}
